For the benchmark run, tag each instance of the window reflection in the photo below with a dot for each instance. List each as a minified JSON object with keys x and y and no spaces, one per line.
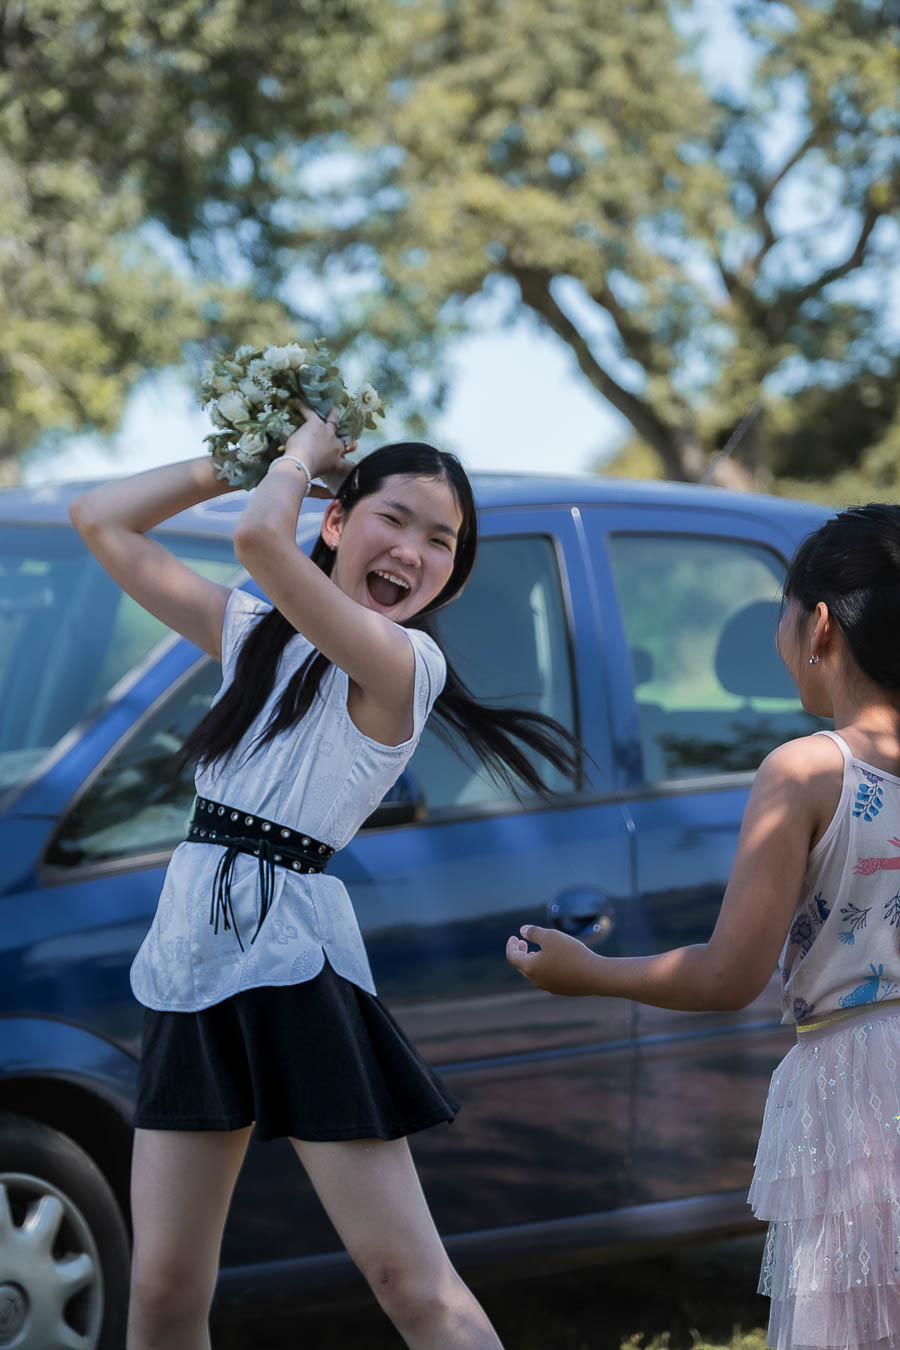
{"x":507,"y":638}
{"x":700,"y":617}
{"x":68,"y":633}
{"x":138,"y":804}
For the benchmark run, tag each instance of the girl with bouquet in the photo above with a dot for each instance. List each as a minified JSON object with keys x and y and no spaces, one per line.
{"x":261,"y":1010}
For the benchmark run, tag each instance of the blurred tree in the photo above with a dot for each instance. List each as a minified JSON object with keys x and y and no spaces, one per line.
{"x":374,"y":164}
{"x":692,"y":261}
{"x":140,"y":146}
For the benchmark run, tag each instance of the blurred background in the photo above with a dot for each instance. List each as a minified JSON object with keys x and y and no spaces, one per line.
{"x":570,"y":235}
{"x":563,"y":235}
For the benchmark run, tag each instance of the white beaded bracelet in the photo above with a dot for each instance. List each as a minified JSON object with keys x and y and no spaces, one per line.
{"x":300,"y":465}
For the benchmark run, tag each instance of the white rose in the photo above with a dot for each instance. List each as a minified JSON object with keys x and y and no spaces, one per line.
{"x":290,"y":357}
{"x":277,"y":358}
{"x":217,"y":419}
{"x":252,"y":392}
{"x":259,"y":371}
{"x":249,"y":447}
{"x":243,"y":352}
{"x":233,"y":407}
{"x":295,"y":354}
{"x":223,"y":384}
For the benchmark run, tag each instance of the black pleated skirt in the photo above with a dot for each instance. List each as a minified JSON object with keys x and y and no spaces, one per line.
{"x":318,"y":1060}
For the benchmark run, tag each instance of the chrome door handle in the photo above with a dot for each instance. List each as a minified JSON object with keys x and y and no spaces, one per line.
{"x":583,"y":912}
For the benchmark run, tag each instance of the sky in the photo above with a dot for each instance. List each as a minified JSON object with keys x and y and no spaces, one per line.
{"x":517,"y":401}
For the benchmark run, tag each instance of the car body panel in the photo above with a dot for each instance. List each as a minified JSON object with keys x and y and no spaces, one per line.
{"x":574,"y":1111}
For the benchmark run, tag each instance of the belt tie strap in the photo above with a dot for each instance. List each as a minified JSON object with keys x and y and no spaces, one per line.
{"x":272,"y":844}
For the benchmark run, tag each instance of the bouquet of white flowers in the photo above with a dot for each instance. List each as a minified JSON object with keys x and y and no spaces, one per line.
{"x":252,"y":397}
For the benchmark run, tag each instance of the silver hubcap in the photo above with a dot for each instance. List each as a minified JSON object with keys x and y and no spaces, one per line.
{"x":51,"y":1295}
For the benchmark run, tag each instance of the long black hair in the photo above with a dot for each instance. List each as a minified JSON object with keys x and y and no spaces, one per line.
{"x":852,"y":564}
{"x":497,"y":736}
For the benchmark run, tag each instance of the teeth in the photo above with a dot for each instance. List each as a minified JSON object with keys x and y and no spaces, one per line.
{"x":389,"y":576}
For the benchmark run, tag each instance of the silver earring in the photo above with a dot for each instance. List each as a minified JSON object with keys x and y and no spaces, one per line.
{"x":813,"y":660}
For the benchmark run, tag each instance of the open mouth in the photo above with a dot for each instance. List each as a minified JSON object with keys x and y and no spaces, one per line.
{"x":386,"y":590}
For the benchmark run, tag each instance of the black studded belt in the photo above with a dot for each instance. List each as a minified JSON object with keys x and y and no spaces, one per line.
{"x":273,"y":844}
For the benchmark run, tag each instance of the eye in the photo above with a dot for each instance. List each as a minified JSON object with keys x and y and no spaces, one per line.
{"x":444,"y":543}
{"x":392,"y":519}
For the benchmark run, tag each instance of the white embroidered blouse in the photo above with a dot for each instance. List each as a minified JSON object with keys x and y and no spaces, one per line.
{"x":842,"y":949}
{"x":322,"y":777}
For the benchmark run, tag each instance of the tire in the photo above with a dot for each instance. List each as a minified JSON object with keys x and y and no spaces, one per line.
{"x":64,"y":1251}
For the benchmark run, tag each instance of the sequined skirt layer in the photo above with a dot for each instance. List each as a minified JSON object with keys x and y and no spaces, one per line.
{"x":826,"y":1179}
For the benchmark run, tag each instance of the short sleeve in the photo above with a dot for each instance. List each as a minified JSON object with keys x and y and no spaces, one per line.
{"x":241,"y":612}
{"x":431,"y":673}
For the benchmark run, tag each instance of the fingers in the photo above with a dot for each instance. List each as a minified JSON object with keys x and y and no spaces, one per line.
{"x":531,"y":933}
{"x":517,"y":954}
{"x":331,"y":419}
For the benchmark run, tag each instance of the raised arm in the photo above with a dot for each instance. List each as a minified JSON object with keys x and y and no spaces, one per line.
{"x":375,"y":652}
{"x":113,"y":518}
{"x":795,"y":794}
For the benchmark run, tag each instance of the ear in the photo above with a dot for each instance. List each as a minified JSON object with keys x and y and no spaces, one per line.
{"x":333,"y":524}
{"x":823,"y":630}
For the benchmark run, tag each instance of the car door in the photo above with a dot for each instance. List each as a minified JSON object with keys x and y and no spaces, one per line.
{"x":702,"y":698}
{"x":544,"y":1083}
{"x":439,"y":883}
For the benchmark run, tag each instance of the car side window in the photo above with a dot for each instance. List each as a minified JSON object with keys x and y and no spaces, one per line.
{"x":700,"y":617}
{"x":69,"y":634}
{"x":137,"y":804}
{"x":507,"y":638}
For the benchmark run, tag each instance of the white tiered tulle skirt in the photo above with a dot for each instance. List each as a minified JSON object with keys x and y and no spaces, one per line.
{"x":827,"y":1178}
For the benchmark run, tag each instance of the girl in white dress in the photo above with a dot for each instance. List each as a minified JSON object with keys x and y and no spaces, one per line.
{"x":260,"y":1002}
{"x":816,"y":879}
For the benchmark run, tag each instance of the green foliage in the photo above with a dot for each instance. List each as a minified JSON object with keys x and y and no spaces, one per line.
{"x":116,"y":119}
{"x":202,"y":172}
{"x":581,"y":169}
{"x":255,"y":395}
{"x":635,"y":459}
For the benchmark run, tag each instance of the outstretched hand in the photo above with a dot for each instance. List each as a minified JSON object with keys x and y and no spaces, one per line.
{"x":561,"y":965}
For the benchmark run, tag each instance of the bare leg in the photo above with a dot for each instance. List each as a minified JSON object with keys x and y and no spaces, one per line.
{"x":372,"y":1195}
{"x":181,"y":1185}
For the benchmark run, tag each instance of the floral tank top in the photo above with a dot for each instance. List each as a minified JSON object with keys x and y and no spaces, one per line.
{"x":842,"y":949}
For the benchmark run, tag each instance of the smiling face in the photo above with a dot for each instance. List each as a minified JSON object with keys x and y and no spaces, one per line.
{"x":395,"y":548}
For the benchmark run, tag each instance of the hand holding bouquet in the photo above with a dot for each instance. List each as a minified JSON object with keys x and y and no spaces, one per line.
{"x":255,"y":398}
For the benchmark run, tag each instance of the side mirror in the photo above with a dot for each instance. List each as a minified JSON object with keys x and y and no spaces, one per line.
{"x":403,"y":805}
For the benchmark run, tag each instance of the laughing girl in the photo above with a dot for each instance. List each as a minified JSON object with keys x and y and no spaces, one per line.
{"x":260,"y":1006}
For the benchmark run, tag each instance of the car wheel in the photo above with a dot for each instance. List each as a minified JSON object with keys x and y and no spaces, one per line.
{"x":63,"y":1245}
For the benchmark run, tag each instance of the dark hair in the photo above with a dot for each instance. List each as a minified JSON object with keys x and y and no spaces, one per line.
{"x":852,"y":564}
{"x":490,"y":732}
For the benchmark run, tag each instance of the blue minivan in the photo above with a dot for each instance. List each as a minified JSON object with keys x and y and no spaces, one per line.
{"x":640,"y":615}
